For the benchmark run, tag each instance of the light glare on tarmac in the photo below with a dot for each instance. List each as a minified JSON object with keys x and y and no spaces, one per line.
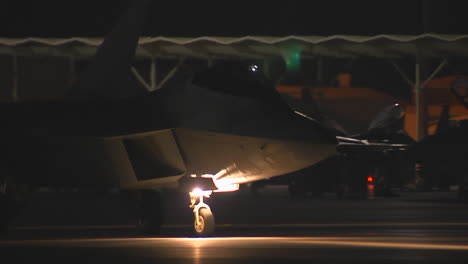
{"x":239,"y":242}
{"x":414,"y":228}
{"x":253,"y":226}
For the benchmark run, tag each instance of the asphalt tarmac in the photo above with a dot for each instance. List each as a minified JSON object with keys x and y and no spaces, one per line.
{"x":269,"y":228}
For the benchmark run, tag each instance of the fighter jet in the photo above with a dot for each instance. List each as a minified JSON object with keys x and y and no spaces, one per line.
{"x":207,"y":131}
{"x":442,"y":156}
{"x":373,"y":157}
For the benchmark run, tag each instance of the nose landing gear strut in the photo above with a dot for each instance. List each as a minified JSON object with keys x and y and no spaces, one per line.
{"x":204,"y":223}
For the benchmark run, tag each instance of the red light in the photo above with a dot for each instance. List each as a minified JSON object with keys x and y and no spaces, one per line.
{"x":370,"y":179}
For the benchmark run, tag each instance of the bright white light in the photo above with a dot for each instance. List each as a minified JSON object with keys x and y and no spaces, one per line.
{"x":254,"y":68}
{"x":197,"y":191}
{"x":226,"y":187}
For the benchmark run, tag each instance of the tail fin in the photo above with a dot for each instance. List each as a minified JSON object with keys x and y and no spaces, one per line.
{"x":108,"y":74}
{"x":329,"y":123}
{"x":309,"y":107}
{"x":389,"y":125}
{"x":443,"y":124}
{"x":460,"y":88}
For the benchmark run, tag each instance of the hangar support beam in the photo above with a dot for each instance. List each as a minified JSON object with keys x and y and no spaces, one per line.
{"x":152,"y":85}
{"x":14,"y":89}
{"x":419,"y":104}
{"x":418,"y":89}
{"x":71,"y":71}
{"x":171,"y":73}
{"x":152,"y":76}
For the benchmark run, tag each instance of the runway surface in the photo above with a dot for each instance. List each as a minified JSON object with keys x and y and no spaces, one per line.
{"x":237,"y":250}
{"x":412,"y":228}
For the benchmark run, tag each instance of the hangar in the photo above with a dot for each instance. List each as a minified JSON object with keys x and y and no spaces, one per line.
{"x":291,"y":49}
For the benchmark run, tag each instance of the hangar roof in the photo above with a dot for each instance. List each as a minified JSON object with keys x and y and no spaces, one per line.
{"x":254,"y":47}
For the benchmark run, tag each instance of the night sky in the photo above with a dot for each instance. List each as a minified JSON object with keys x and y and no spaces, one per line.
{"x":20,"y":18}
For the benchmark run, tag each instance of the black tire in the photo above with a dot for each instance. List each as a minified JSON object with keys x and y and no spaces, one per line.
{"x":151,"y":215}
{"x":4,"y":217}
{"x":296,"y":187}
{"x":207,"y":223}
{"x":12,"y":202}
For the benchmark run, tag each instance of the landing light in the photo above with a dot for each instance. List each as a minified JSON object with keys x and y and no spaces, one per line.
{"x":199,"y":192}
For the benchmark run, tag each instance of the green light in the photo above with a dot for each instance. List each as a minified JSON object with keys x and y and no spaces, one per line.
{"x":293,"y":62}
{"x":292,"y":56}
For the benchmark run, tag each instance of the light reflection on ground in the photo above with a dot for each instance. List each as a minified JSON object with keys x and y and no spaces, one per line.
{"x":199,"y":244}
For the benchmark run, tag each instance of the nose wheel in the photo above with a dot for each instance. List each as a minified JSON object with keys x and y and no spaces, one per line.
{"x":204,"y":223}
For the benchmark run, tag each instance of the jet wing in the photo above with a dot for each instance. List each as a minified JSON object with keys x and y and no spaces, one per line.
{"x":351,"y":145}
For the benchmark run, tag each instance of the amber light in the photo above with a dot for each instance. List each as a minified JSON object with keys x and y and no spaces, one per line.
{"x":370,"y":179}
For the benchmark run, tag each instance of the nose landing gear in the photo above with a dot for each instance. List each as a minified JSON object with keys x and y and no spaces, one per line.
{"x":204,"y":223}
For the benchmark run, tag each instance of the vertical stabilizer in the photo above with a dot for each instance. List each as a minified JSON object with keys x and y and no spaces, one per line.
{"x":389,"y":124}
{"x":108,"y":74}
{"x":459,"y":88}
{"x":443,"y":123}
{"x":317,"y":114}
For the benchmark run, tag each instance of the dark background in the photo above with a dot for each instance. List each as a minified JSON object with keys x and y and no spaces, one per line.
{"x":188,"y":18}
{"x":45,"y":18}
